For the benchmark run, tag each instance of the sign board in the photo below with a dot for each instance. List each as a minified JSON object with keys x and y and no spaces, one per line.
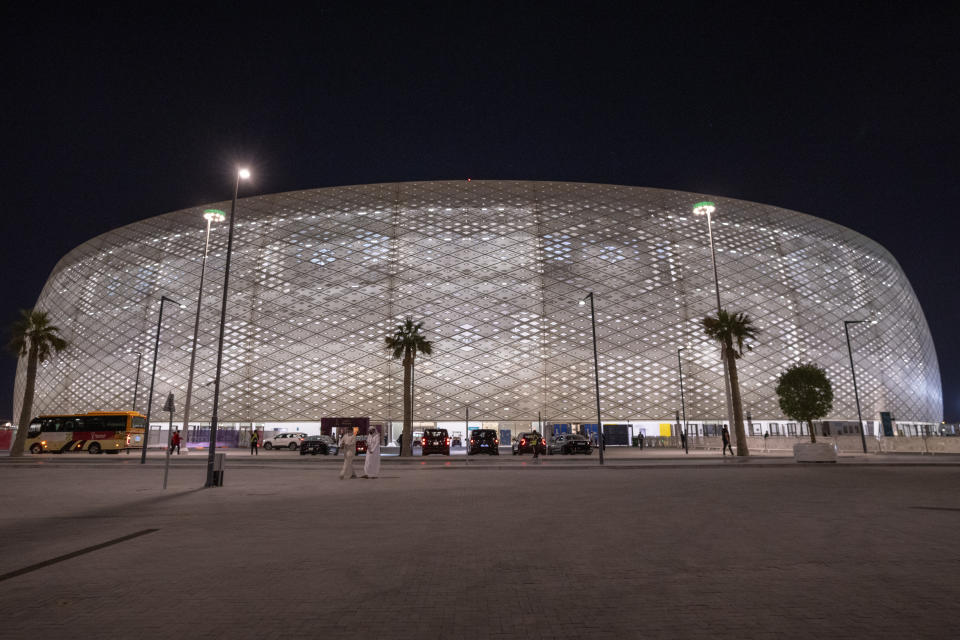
{"x":342,"y":424}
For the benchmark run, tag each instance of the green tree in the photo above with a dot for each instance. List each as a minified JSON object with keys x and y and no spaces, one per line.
{"x":732,"y":330}
{"x":405,"y":344}
{"x":33,"y":337}
{"x":805,"y":394}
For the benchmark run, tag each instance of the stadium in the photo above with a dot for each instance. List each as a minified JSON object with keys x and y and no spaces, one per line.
{"x":495,"y":270}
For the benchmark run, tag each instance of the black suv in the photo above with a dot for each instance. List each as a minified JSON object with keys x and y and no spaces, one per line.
{"x":435,"y":441}
{"x":484,"y":441}
{"x":525,"y":443}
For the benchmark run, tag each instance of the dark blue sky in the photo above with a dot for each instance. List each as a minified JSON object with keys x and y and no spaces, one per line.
{"x":845,"y":111}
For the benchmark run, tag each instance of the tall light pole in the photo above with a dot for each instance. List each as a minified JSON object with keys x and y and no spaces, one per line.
{"x":211,"y":216}
{"x":136,"y":384}
{"x":242,"y":174}
{"x":153,"y":374}
{"x":856,"y":394}
{"x":683,"y":406}
{"x":706,"y":209}
{"x":596,"y":371}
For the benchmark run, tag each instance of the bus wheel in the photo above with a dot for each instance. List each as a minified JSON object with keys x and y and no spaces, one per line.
{"x":94,"y":448}
{"x":36,"y":448}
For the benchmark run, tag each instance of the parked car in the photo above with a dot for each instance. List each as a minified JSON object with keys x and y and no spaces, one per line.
{"x":321,"y":444}
{"x":290,"y":440}
{"x":484,"y":441}
{"x":435,"y":441}
{"x":361,"y":444}
{"x":525,"y":442}
{"x":569,"y":443}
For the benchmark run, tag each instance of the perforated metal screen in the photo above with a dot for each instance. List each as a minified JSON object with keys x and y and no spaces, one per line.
{"x":495,"y":269}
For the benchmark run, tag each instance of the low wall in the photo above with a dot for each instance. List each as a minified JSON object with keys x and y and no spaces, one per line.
{"x":845,"y":444}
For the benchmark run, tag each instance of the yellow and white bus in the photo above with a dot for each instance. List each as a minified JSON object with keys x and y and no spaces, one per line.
{"x":95,"y":432}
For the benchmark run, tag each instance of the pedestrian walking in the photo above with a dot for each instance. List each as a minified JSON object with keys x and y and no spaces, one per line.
{"x":175,"y":442}
{"x":371,"y":466}
{"x":254,"y":441}
{"x":536,"y":448}
{"x":640,"y":440}
{"x":726,"y":441}
{"x":683,"y":440}
{"x":348,"y":445}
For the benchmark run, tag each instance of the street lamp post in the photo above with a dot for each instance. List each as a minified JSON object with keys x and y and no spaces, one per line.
{"x":136,"y":384}
{"x":856,"y":394}
{"x":707,"y":209}
{"x":683,"y":406}
{"x":211,"y":216}
{"x":153,"y":374}
{"x":242,"y":174}
{"x":596,"y":371}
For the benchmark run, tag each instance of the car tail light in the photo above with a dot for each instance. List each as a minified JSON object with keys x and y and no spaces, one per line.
{"x":471,"y":440}
{"x":448,"y":441}
{"x":496,"y":441}
{"x":423,"y":441}
{"x":523,"y":441}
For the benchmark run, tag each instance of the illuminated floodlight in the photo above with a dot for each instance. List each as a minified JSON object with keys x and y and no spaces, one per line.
{"x":244,"y":174}
{"x":704,"y":208}
{"x":214,"y":215}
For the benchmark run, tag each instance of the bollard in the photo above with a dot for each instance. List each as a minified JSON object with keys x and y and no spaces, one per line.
{"x":219,"y":460}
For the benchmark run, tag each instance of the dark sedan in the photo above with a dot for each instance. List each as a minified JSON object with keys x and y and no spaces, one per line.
{"x":323,"y":445}
{"x":569,"y":443}
{"x":528,"y":443}
{"x":484,"y":441}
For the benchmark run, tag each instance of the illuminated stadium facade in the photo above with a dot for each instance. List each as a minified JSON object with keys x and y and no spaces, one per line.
{"x":495,"y":270}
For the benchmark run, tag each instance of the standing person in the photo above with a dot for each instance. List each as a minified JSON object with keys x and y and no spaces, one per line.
{"x":254,"y":441}
{"x":348,"y":445}
{"x":175,"y":442}
{"x":536,"y":448}
{"x":683,"y":440}
{"x":726,"y":441}
{"x":371,"y":466}
{"x":640,"y":440}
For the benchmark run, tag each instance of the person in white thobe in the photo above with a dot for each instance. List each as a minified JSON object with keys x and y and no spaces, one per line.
{"x":371,"y":466}
{"x":348,"y":445}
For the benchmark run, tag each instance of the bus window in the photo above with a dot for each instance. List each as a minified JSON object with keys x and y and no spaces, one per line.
{"x":115,"y":423}
{"x":91,"y":423}
{"x":139,"y":423}
{"x":50,"y":424}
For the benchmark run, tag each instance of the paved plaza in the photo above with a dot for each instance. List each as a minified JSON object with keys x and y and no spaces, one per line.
{"x":664,"y":547}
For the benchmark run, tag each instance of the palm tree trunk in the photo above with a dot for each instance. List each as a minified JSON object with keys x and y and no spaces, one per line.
{"x":406,"y":442}
{"x":742,"y":449}
{"x":16,"y":450}
{"x":813,"y":435}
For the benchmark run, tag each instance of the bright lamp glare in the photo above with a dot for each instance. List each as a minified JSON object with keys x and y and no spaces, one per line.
{"x":703,"y":208}
{"x":214,"y":215}
{"x":244,"y":174}
{"x":582,"y":302}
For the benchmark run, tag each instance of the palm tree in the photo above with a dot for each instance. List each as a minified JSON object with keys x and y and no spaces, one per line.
{"x":731,"y":329}
{"x":406,"y":343}
{"x":34,"y":337}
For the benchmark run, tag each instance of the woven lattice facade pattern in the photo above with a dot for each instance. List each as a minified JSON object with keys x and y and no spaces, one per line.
{"x":495,"y":270}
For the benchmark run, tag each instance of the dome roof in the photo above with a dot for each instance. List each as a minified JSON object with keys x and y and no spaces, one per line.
{"x":495,"y":269}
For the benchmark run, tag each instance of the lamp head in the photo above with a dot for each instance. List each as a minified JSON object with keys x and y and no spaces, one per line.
{"x":244,"y":173}
{"x":704,"y":208}
{"x":214,"y":215}
{"x":582,"y":302}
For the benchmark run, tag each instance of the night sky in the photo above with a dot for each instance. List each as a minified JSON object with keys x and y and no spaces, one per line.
{"x":845,"y":111}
